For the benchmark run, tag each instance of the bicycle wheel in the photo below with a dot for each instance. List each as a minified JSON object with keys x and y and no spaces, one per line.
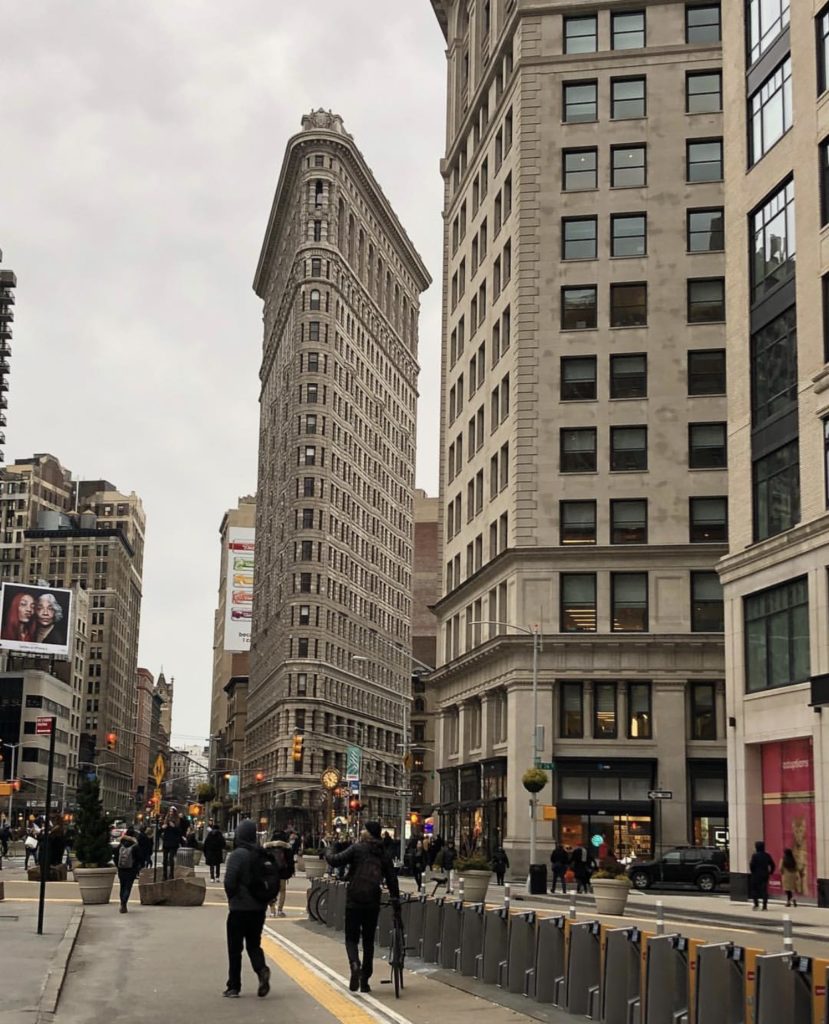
{"x":322,"y":906}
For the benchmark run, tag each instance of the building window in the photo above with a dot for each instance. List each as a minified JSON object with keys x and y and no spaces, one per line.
{"x":577,"y":522}
{"x":777,"y":636}
{"x":316,"y":266}
{"x":706,"y":232}
{"x":708,"y":520}
{"x":773,"y":231}
{"x":578,"y":602}
{"x":822,"y":22}
{"x":703,"y":92}
{"x":706,"y":371}
{"x":578,"y":450}
{"x":629,"y":521}
{"x":578,"y":238}
{"x":628,"y":305}
{"x":640,"y":718}
{"x":580,"y":101}
{"x":571,"y":713}
{"x":702,"y":23}
{"x":706,"y":446}
{"x":628,"y":448}
{"x":776,"y":491}
{"x":627,"y":30}
{"x":706,"y":300}
{"x":770,"y":110}
{"x":774,"y":369}
{"x":706,"y":603}
{"x":627,"y":98}
{"x":629,"y":602}
{"x":703,"y":711}
{"x":765,"y":20}
{"x":578,"y":308}
{"x":578,"y":378}
{"x":627,"y":166}
{"x":826,"y":460}
{"x":824,"y":182}
{"x":314,"y":299}
{"x":629,"y":376}
{"x":580,"y":169}
{"x":604,"y":711}
{"x":628,"y":234}
{"x":704,"y":160}
{"x":580,"y":34}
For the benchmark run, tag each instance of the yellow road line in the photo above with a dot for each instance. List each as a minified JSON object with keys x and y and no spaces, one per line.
{"x":341,"y":1006}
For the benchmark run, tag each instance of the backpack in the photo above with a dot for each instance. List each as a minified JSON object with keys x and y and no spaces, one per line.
{"x":264,"y":878}
{"x":364,"y":879}
{"x":284,"y":860}
{"x":126,"y":857}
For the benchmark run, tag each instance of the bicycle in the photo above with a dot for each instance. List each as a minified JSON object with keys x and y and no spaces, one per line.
{"x":397,"y":949}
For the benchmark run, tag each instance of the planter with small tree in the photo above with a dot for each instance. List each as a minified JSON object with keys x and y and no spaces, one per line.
{"x":94,"y":871}
{"x":315,"y":863}
{"x":475,"y":872}
{"x":611,"y":888}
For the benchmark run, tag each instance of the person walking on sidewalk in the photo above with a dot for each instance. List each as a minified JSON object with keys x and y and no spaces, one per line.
{"x":791,"y":876}
{"x":283,"y":856}
{"x":500,"y":863}
{"x":559,"y":861}
{"x":214,"y":850}
{"x":369,"y":865}
{"x":761,"y":868}
{"x":247,"y":902}
{"x":171,"y":840}
{"x":127,"y":860}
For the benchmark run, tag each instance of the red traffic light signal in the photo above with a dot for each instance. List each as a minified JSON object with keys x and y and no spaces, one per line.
{"x":259,"y":776}
{"x":112,"y":740}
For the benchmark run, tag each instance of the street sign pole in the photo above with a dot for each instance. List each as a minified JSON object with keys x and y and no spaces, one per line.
{"x":42,"y":726}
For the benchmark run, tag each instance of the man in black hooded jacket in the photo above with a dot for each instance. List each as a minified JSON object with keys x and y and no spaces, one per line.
{"x":246,"y":911}
{"x":368,"y":864}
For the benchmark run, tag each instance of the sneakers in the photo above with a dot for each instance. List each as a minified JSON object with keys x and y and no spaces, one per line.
{"x":264,"y":982}
{"x":280,"y":913}
{"x":354,"y":980}
{"x":231,"y":993}
{"x":123,"y":909}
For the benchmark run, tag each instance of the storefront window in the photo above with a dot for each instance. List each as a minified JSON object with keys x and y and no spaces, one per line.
{"x":630,"y":836}
{"x":711,"y":832}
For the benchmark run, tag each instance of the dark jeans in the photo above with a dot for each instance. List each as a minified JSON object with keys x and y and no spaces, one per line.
{"x":558,"y":876}
{"x":760,"y":891}
{"x":215,"y":872}
{"x":126,"y":879}
{"x":361,"y":921}
{"x":169,"y":864}
{"x":244,"y":929}
{"x":499,"y":876}
{"x":418,"y":877}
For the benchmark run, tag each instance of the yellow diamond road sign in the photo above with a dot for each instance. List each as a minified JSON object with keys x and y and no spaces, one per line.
{"x":159,"y":770}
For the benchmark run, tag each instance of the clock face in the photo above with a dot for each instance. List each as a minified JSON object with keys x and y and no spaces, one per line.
{"x":330,"y":778}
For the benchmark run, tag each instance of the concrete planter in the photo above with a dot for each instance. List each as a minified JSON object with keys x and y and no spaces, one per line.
{"x":611,"y":895}
{"x":475,"y":885}
{"x":314,"y":867}
{"x":95,"y":884}
{"x":197,"y":856}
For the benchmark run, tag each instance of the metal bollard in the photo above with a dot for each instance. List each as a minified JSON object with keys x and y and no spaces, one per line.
{"x":660,"y":918}
{"x":506,"y":896}
{"x":788,"y":941}
{"x":572,"y":910}
{"x":460,"y":889}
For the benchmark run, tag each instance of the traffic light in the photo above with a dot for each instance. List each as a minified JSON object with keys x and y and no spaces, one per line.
{"x":259,"y":777}
{"x":414,"y":818}
{"x":112,"y":740}
{"x":354,"y":804}
{"x":296,"y":752}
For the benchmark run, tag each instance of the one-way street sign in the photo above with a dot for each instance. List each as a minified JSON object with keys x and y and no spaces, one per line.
{"x":660,"y":794}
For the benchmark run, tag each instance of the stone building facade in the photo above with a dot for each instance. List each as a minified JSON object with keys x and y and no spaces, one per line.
{"x":776,"y":64}
{"x":426,"y":590}
{"x":340,"y":282}
{"x":583,"y":445}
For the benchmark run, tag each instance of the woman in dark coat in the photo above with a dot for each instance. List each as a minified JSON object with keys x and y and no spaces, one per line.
{"x":214,"y":847}
{"x":761,"y":868}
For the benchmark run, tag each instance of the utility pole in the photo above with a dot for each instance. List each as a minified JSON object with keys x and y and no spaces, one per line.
{"x":405,"y":788}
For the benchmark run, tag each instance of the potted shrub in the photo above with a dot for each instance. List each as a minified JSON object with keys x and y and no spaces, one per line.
{"x":611,"y":887}
{"x":534,"y":780}
{"x":315,"y":863}
{"x":476,"y":873}
{"x":94,"y":871}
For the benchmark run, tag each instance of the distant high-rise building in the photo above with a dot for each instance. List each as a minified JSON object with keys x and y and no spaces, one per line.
{"x":144,"y":753}
{"x":330,"y":655}
{"x":426,"y":591}
{"x":8,"y":283}
{"x":776,"y":68}
{"x":165,"y":692}
{"x":583,"y":444}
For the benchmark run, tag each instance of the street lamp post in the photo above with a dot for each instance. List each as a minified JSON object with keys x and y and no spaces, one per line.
{"x":536,"y":635}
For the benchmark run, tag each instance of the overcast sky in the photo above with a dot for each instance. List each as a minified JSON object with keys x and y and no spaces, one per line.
{"x":141,"y":145}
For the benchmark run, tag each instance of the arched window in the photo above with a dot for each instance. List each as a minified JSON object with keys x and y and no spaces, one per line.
{"x":318,"y":193}
{"x":341,"y":225}
{"x":350,"y":251}
{"x":314,"y":299}
{"x":419,"y":705}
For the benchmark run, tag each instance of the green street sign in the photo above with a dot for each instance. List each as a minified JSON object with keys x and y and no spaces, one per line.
{"x":548,"y":766}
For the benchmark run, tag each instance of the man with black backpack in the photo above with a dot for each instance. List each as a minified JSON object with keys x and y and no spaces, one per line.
{"x":282,"y":853}
{"x":368,"y":865}
{"x":251,"y":882}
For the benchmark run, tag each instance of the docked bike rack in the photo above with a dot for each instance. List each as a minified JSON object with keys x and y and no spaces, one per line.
{"x":451,"y":936}
{"x":583,"y":966}
{"x":720,"y":984}
{"x":471,"y":958}
{"x":666,"y":980}
{"x":493,"y":962}
{"x":521,"y":954}
{"x":414,"y":927}
{"x":384,"y":925}
{"x":432,"y":926}
{"x":549,"y":960}
{"x":621,"y":976}
{"x":784,"y":989}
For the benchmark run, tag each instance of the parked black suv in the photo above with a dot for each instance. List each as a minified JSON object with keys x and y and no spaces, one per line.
{"x":706,"y":867}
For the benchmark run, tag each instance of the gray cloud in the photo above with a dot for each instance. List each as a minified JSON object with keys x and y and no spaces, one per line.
{"x":141,"y":146}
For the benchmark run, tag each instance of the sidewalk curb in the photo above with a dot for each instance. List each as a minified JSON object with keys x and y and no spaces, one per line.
{"x":55,"y":976}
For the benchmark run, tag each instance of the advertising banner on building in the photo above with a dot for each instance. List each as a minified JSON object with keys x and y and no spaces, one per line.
{"x":35,"y":620}
{"x":353,"y":760}
{"x":239,"y":593}
{"x":789,"y":807}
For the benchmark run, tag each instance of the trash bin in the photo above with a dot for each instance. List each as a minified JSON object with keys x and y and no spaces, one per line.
{"x":538,"y":879}
{"x":184,"y":856}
